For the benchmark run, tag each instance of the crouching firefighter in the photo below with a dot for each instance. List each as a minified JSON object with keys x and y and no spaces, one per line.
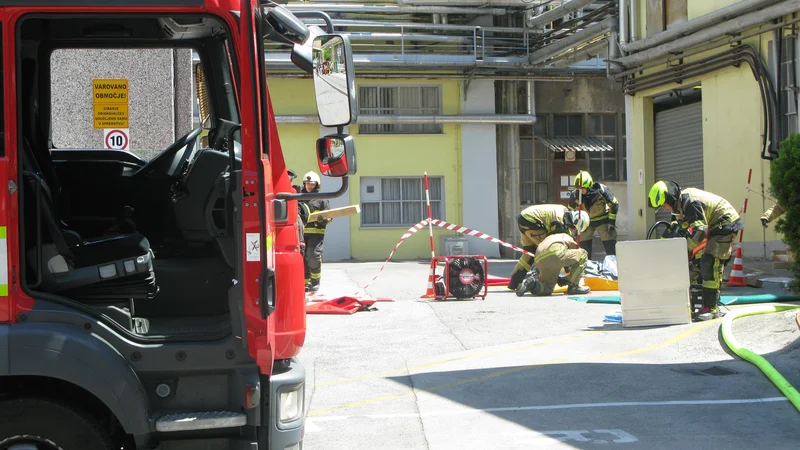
{"x":602,"y":206}
{"x":535,"y":223}
{"x":711,"y":218}
{"x":314,"y":232}
{"x":554,"y":252}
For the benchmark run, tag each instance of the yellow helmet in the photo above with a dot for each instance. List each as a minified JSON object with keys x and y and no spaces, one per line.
{"x":583,"y":180}
{"x":658,"y":194}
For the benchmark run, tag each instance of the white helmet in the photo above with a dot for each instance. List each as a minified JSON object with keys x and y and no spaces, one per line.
{"x":578,"y":220}
{"x":312,"y":176}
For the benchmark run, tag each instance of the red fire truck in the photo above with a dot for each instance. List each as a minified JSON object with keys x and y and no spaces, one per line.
{"x":158,"y":303}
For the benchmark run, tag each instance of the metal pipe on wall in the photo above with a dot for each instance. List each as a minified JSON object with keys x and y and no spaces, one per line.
{"x":503,"y":119}
{"x":581,"y":54}
{"x":633,"y":31}
{"x":704,"y":21}
{"x":589,"y":33}
{"x":394,"y":9}
{"x":733,"y":26}
{"x":623,"y":21}
{"x":558,"y":12}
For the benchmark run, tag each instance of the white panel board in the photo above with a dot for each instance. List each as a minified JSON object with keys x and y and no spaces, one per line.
{"x":653,"y":282}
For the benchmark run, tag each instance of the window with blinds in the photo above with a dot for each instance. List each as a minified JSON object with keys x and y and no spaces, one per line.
{"x":399,"y":201}
{"x":400,"y":100}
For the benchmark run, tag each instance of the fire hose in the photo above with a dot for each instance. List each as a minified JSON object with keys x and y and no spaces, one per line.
{"x":759,"y":361}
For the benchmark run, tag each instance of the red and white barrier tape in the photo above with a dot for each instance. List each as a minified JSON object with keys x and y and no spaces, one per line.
{"x":477,"y":234}
{"x":408,"y":234}
{"x":451,"y":227}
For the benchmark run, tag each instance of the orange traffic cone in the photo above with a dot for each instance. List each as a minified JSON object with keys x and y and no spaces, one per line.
{"x":737,"y":271}
{"x":431,"y":292}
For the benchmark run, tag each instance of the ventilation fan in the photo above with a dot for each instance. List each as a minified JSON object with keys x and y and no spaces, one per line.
{"x":464,"y":277}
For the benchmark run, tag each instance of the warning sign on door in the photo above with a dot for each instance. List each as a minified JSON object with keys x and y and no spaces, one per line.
{"x":110,"y":99}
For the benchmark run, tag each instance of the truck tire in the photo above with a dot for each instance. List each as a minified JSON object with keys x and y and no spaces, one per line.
{"x":48,"y":425}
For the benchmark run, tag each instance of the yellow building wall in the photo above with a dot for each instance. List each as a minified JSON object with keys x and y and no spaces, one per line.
{"x":379,"y":155}
{"x":732,"y":126}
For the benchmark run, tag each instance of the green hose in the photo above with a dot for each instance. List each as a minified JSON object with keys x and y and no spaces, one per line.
{"x":777,"y":379}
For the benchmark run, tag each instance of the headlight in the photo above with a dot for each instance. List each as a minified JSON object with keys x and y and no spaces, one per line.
{"x":291,"y":404}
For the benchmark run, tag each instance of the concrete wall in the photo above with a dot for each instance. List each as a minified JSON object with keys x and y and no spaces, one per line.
{"x":159,"y":88}
{"x":582,"y":95}
{"x":378,"y":155}
{"x":479,"y":168}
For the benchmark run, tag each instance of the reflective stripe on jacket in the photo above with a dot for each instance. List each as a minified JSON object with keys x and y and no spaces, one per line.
{"x":548,"y":217}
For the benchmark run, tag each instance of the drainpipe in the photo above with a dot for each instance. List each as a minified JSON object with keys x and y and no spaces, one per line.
{"x":502,"y":119}
{"x":705,"y":35}
{"x":623,"y":21}
{"x":587,"y":34}
{"x":707,"y":20}
{"x":558,"y":12}
{"x":633,"y":31}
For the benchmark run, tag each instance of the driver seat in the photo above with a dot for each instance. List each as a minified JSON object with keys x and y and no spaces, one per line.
{"x":117,"y":266}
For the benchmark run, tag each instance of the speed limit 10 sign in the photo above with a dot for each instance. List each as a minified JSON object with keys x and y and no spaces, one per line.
{"x":116,"y":138}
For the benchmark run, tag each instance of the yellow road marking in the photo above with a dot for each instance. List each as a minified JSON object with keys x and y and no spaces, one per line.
{"x":678,"y":337}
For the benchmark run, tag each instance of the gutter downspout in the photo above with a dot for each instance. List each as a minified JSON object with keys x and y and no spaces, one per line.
{"x":502,"y":119}
{"x":623,"y":22}
{"x":704,"y":21}
{"x":733,"y":26}
{"x":558,"y":12}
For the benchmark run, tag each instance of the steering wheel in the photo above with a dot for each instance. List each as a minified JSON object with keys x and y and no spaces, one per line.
{"x":168,"y":153}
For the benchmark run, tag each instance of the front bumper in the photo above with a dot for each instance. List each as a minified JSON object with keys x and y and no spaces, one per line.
{"x":287,"y":411}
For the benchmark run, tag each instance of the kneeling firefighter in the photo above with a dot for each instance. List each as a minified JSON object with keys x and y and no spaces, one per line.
{"x":556,"y":251}
{"x":602,"y":206}
{"x":535,"y":223}
{"x":711,"y":218}
{"x":314,"y":232}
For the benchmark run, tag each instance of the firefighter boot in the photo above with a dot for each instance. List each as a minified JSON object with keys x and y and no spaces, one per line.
{"x":610,"y":246}
{"x":587,"y":245}
{"x":529,"y":283}
{"x":709,"y":311}
{"x":576,"y":289}
{"x":563,"y":280}
{"x":516,"y":279}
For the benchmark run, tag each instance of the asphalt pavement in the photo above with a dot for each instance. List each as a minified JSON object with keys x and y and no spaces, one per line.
{"x":518,"y":373}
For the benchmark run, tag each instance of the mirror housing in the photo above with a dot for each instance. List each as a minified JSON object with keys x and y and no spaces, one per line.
{"x":284,"y":26}
{"x":334,"y":80}
{"x":336,"y":155}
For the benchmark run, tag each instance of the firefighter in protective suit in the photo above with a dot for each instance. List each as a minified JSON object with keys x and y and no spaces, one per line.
{"x":710,"y":218}
{"x":314,"y":232}
{"x":535,"y":223}
{"x":771,"y":214}
{"x":602,"y":207}
{"x":554,"y":252}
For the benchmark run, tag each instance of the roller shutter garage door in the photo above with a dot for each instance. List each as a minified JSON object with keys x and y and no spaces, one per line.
{"x":679,"y":147}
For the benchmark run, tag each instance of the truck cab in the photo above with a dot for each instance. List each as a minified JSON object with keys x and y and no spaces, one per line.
{"x":152,"y":293}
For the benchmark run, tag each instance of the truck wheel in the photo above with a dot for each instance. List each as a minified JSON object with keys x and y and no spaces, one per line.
{"x":28,"y":424}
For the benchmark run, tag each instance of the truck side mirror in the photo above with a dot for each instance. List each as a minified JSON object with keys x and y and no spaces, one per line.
{"x":334,"y":84}
{"x":336,"y":155}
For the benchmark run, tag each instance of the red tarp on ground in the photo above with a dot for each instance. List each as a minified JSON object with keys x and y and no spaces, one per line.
{"x":340,"y":305}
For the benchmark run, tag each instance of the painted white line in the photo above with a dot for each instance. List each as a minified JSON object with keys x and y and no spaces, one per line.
{"x":312,"y":427}
{"x":552,"y":407}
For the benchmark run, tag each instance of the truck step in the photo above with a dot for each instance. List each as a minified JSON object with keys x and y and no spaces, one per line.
{"x":207,"y":420}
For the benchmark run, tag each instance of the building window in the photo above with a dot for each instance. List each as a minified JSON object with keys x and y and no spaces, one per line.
{"x":789,"y":88}
{"x":399,"y":201}
{"x":400,"y":100}
{"x":603,"y":165}
{"x":534,"y":164}
{"x":661,"y":15}
{"x":567,"y":125}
